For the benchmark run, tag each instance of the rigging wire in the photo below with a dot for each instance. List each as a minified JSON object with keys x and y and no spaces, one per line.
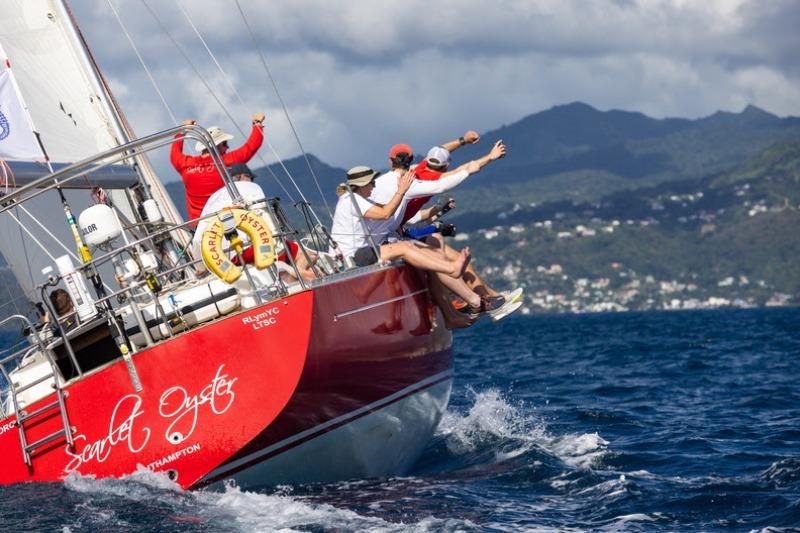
{"x":285,"y":109}
{"x":38,"y":242}
{"x":25,"y":251}
{"x":141,"y":61}
{"x":208,"y":87}
{"x":236,"y":92}
{"x":49,"y":233}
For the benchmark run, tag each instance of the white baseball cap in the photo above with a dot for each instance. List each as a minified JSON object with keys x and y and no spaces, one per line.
{"x":438,"y":157}
{"x":218,"y":137}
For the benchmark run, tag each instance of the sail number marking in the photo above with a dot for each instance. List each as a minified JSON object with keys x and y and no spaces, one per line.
{"x":264,"y":319}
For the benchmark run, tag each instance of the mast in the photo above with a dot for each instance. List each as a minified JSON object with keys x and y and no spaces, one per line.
{"x":116,"y":119}
{"x":75,"y":118}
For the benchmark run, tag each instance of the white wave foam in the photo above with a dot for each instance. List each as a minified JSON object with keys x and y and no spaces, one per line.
{"x":492,"y":418}
{"x":635,"y":517}
{"x":619,"y":523}
{"x":235,"y":509}
{"x":611,"y":488}
{"x":580,"y":451}
{"x":132,"y":486}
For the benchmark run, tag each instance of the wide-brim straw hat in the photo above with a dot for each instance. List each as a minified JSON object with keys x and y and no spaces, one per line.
{"x":217,"y":135}
{"x":360,"y":176}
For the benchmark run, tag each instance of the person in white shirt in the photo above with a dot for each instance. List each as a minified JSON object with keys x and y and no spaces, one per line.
{"x":357,"y":219}
{"x":250,"y":192}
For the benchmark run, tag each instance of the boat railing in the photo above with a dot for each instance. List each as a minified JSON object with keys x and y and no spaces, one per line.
{"x":66,"y":175}
{"x":185,"y":269}
{"x":11,"y":358}
{"x":118,"y":154}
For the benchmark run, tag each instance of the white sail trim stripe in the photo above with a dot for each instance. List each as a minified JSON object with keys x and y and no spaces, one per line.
{"x":377,"y":304}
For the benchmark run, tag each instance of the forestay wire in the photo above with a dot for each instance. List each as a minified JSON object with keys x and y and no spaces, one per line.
{"x":236,"y":92}
{"x":285,"y":109}
{"x":211,"y":91}
{"x":141,"y":61}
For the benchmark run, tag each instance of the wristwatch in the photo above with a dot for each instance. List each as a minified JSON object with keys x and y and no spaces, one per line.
{"x":462,"y":141}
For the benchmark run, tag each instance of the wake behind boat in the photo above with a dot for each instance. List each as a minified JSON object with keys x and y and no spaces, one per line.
{"x":264,"y":377}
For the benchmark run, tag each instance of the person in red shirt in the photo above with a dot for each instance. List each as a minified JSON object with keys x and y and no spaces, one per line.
{"x":199,"y":175}
{"x":431,"y":169}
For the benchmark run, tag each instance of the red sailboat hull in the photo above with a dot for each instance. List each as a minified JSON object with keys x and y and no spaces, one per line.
{"x":231,"y":398}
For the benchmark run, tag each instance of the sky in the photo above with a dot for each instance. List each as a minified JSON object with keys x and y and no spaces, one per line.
{"x":358,"y":76}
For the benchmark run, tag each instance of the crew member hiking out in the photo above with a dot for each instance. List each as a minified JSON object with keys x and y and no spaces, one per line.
{"x":435,"y":164}
{"x":401,"y":156}
{"x":200,"y":177}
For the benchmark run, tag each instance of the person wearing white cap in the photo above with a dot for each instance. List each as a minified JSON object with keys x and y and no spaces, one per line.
{"x":432,"y":168}
{"x":434,"y":165}
{"x":199,"y":175}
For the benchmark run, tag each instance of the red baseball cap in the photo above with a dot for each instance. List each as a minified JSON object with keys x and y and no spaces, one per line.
{"x":399,"y":149}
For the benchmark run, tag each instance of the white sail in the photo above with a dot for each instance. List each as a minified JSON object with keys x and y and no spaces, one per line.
{"x":71,"y":109}
{"x":52,"y":76}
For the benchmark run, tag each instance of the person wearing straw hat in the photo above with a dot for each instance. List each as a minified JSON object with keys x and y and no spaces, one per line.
{"x":359,"y":223}
{"x":200,"y":177}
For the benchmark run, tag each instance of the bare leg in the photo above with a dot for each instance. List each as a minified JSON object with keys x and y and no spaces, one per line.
{"x":461,"y":289}
{"x":441,"y":297}
{"x":306,"y":272}
{"x":471,"y":277}
{"x":425,"y":258}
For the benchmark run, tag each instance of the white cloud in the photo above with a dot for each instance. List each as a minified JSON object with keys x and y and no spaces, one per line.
{"x":359,"y":76}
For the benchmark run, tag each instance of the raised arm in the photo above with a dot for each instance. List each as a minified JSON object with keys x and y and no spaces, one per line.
{"x":497,"y":151}
{"x":244,"y":153}
{"x":176,"y":155}
{"x":470,"y":137}
{"x":449,"y":180}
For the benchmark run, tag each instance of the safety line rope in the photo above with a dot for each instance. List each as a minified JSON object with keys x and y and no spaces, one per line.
{"x":141,"y":61}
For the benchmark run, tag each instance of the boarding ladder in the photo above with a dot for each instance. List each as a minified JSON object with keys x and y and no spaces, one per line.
{"x":23,"y":415}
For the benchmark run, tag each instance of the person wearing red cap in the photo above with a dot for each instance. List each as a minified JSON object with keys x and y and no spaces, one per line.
{"x":199,"y":175}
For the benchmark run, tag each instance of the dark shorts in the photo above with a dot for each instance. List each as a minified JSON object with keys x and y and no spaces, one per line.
{"x":365,"y":256}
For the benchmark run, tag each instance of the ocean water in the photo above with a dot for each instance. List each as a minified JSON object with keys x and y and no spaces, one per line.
{"x":685,"y":421}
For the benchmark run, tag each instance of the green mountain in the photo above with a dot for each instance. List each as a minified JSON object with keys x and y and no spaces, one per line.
{"x":574,"y":151}
{"x":577,"y":152}
{"x":730,"y":236}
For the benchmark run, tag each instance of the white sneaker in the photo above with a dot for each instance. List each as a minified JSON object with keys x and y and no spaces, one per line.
{"x":513,"y":296}
{"x":504,"y":310}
